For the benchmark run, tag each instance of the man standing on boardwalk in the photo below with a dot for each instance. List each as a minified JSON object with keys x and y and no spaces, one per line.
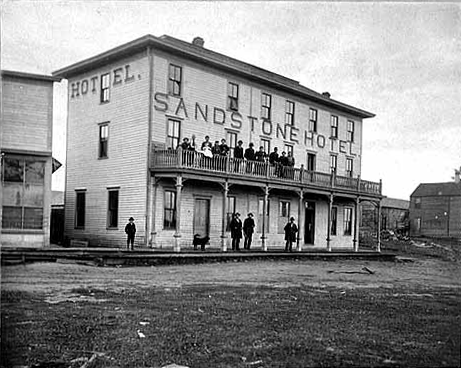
{"x":130,"y":230}
{"x":290,"y":234}
{"x":236,"y":232}
{"x":248,"y":229}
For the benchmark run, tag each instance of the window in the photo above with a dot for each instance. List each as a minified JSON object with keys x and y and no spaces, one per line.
{"x":259,"y":223}
{"x":266,"y":143}
{"x":23,"y":192}
{"x":289,"y":113}
{"x":230,"y":211}
{"x":288,"y":149}
{"x":347,"y":221}
{"x":112,"y":209}
{"x":233,"y":96}
{"x":312,"y":120}
{"x":266,"y":106}
{"x":350,"y":131}
{"x":105,"y":87}
{"x":349,"y":167}
{"x":418,"y":202}
{"x":284,"y":209}
{"x":172,"y":138}
{"x":333,"y":163}
{"x":103,"y":140}
{"x":80,"y":199}
{"x":334,"y":220}
{"x":169,"y":210}
{"x":311,"y":162}
{"x":334,"y":126}
{"x":174,"y":80}
{"x":231,"y":142}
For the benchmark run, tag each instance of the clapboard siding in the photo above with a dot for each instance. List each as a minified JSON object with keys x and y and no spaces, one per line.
{"x":126,"y":165}
{"x":208,"y":86}
{"x":27,"y":114}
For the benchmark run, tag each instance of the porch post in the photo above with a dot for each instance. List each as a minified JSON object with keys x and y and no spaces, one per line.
{"x":177,"y":234}
{"x":224,"y":217}
{"x":356,"y":224}
{"x":330,"y":206}
{"x":378,"y":246}
{"x":299,"y":245}
{"x":153,"y":238}
{"x":263,"y":231}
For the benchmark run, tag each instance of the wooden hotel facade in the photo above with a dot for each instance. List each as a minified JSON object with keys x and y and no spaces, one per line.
{"x":129,"y":109}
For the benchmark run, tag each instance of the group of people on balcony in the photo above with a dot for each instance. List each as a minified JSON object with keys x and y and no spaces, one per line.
{"x":221,"y":149}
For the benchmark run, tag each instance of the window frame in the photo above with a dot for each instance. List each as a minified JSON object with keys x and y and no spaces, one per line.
{"x":334,"y":124}
{"x":311,"y":154}
{"x":172,"y":141}
{"x":169,"y":224}
{"x":233,"y":98}
{"x":350,"y":131}
{"x":105,"y":88}
{"x":173,"y":81}
{"x":103,"y":146}
{"x":266,"y":143}
{"x":80,"y":217}
{"x":334,"y":221}
{"x":349,"y":167}
{"x":313,"y":117}
{"x":266,"y":109}
{"x":287,"y":204}
{"x":347,"y":221}
{"x":289,"y":113}
{"x":231,"y":140}
{"x":288,"y":148}
{"x":110,"y":210}
{"x":334,"y":163}
{"x":231,"y":208}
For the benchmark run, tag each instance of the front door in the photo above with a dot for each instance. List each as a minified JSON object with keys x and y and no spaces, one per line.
{"x":202,"y":217}
{"x":309,"y":224}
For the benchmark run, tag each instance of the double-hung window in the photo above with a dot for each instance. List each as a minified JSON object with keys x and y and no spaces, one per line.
{"x":350,"y":130}
{"x":103,"y":140}
{"x":112,"y":208}
{"x":289,"y":112}
{"x":173,"y":133}
{"x":174,"y":80}
{"x":347,"y":221}
{"x":169,"y":210}
{"x":349,"y":167}
{"x":334,"y":126}
{"x":233,"y":97}
{"x":333,"y":163}
{"x":266,"y":106}
{"x":312,"y":120}
{"x":80,"y":205}
{"x":334,"y":220}
{"x":105,"y":88}
{"x":231,"y":200}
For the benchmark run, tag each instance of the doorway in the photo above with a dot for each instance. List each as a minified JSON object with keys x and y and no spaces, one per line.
{"x":309,"y":223}
{"x":202,"y":217}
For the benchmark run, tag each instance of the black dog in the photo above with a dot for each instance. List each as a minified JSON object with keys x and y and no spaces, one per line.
{"x":200,"y":241}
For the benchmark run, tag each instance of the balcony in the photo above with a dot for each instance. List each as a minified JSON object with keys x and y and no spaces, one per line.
{"x":173,"y":161}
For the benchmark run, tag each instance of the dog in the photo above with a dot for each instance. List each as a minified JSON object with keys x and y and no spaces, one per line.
{"x":200,"y":241}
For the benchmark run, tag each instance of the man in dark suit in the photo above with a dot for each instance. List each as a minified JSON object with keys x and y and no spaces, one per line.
{"x":236,"y":231}
{"x":250,"y":157}
{"x":130,"y":230}
{"x":238,"y":156}
{"x":290,"y":234}
{"x":248,"y":229}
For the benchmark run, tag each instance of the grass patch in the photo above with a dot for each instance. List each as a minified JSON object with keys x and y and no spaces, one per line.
{"x":206,"y":326}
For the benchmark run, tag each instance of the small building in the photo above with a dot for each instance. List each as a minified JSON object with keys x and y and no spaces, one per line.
{"x":394,"y":216}
{"x":130,"y":109}
{"x":26,"y":160}
{"x":435,"y":209}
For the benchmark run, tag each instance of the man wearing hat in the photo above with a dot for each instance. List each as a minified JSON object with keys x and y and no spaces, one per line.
{"x":130,"y":230}
{"x":248,"y":229}
{"x":290,"y":234}
{"x":236,"y":231}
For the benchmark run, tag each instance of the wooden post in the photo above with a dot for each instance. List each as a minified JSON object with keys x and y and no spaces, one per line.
{"x":263,"y":231}
{"x":356,"y":224}
{"x":177,"y":234}
{"x":153,"y":240}
{"x":224,"y":217}
{"x":378,"y":246}
{"x":301,"y":173}
{"x":299,"y":246}
{"x":330,"y":206}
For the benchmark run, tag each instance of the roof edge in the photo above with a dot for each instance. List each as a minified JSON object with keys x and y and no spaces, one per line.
{"x":43,"y":77}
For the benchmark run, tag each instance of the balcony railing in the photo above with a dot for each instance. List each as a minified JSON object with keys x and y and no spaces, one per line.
{"x":196,"y":161}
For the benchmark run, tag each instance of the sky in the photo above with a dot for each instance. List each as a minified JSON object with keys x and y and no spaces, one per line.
{"x":401,"y":61}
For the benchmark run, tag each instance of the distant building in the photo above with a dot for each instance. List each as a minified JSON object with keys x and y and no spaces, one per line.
{"x":27,"y":164}
{"x":394,"y":216}
{"x":130,"y":109}
{"x":435,"y":209}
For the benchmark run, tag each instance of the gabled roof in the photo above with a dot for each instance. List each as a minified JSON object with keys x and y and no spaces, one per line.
{"x":395,"y":203}
{"x":41,"y":77}
{"x":207,"y":57}
{"x":437,"y":189}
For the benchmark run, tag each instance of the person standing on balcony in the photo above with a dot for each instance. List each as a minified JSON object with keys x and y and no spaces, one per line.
{"x":291,"y":165}
{"x":283,"y":164}
{"x":260,"y":157}
{"x":274,"y":160}
{"x":206,"y":143}
{"x":250,"y":156}
{"x":206,"y":151}
{"x":238,"y":155}
{"x":224,"y":148}
{"x":248,"y":229}
{"x":216,"y":151}
{"x":290,"y":234}
{"x":186,"y":147}
{"x":130,"y":230}
{"x":236,"y":231}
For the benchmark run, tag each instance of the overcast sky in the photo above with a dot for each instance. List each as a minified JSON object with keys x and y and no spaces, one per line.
{"x":401,"y":61}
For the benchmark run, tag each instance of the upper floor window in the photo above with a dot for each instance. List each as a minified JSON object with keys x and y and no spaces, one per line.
{"x":289,"y":113}
{"x":333,"y":163}
{"x":312,"y":120}
{"x":266,"y":106}
{"x":231,"y":142}
{"x":105,"y":87}
{"x":350,"y":130}
{"x":334,"y":126}
{"x":233,"y":96}
{"x":103,"y":140}
{"x":349,"y":167}
{"x":112,"y":208}
{"x":417,"y":202}
{"x":173,"y":133}
{"x":266,"y":143}
{"x":311,"y":161}
{"x":288,"y":149}
{"x":174,"y":80}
